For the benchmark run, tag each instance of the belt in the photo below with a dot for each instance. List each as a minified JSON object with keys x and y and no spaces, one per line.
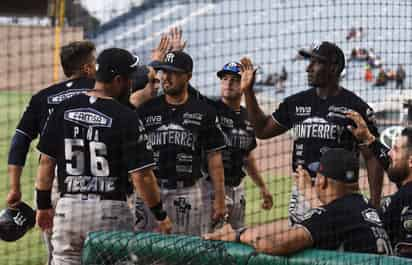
{"x":177,"y":184}
{"x":92,"y":196}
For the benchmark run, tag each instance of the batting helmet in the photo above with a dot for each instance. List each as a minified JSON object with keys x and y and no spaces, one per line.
{"x":16,"y":221}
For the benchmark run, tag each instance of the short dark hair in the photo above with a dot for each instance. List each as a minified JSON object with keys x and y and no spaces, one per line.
{"x":407,"y":132}
{"x":74,"y":55}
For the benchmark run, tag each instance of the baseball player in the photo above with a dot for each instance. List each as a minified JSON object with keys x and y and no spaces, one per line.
{"x":180,"y":127}
{"x":237,"y":156}
{"x":396,"y":209}
{"x":78,"y":61}
{"x":317,"y":119}
{"x":96,"y":142}
{"x":344,"y":221}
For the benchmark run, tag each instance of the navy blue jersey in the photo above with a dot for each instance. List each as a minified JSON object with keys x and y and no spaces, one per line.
{"x":179,"y":134}
{"x":240,"y":140}
{"x":318,"y":123}
{"x":45,"y":101}
{"x":96,"y":142}
{"x":396,"y":214}
{"x":349,"y":223}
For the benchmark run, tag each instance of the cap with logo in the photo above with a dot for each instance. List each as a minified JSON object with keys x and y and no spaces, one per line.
{"x":176,"y":61}
{"x":338,"y":164}
{"x":16,"y":221}
{"x":232,"y":68}
{"x":115,"y":61}
{"x":327,"y":52}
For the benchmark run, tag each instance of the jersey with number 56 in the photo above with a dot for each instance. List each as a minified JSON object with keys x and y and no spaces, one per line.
{"x":96,"y":142}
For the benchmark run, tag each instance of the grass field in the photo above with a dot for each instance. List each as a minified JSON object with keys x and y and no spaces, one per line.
{"x":30,"y":250}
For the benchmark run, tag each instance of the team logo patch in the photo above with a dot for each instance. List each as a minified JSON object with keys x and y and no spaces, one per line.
{"x":406,"y":218}
{"x":62,"y":96}
{"x":88,"y":117}
{"x":313,"y":211}
{"x":170,"y":57}
{"x":303,"y":110}
{"x":389,"y":135}
{"x":371,"y":215}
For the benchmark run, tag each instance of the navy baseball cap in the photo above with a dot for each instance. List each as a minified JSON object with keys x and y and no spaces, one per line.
{"x":115,"y":61}
{"x":232,"y":68}
{"x":176,"y":61}
{"x":338,"y":164}
{"x":327,"y":52}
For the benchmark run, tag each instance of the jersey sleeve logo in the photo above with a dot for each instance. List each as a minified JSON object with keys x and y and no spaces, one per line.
{"x":88,"y":117}
{"x":371,"y":215}
{"x":311,"y":212}
{"x":62,"y":96}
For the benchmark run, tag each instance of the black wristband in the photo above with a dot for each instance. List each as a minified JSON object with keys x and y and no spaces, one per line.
{"x":158,"y":211}
{"x":43,"y":199}
{"x":239,"y":232}
{"x":381,"y":153}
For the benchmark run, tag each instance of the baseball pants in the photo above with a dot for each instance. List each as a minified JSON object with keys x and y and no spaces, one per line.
{"x":76,"y":216}
{"x":235,"y":203}
{"x":184,"y":207}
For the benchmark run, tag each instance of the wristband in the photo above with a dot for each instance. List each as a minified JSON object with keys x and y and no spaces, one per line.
{"x":239,"y":232}
{"x":158,"y":211}
{"x":43,"y":199}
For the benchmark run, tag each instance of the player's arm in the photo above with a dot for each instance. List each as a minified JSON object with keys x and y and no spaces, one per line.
{"x":366,"y":138}
{"x":265,"y":126}
{"x":45,"y":173}
{"x":44,"y":182}
{"x":268,"y":238}
{"x":285,"y":242}
{"x":138,"y":158}
{"x":375,"y":175}
{"x":253,"y":172}
{"x":27,"y":129}
{"x":373,"y":166}
{"x":216,"y":171}
{"x":145,"y":183}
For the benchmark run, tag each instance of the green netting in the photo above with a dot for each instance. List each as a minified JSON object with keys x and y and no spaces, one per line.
{"x":114,"y":248}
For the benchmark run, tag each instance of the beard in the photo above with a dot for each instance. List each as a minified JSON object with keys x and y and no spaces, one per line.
{"x":398,"y":174}
{"x":173,"y":91}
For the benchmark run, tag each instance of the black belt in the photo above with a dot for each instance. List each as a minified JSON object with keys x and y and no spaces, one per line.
{"x":176,"y":184}
{"x":93,"y":196}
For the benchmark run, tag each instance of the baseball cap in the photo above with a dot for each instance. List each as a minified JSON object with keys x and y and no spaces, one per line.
{"x":115,"y":61}
{"x":232,"y":68}
{"x":326,"y":52}
{"x":176,"y":61}
{"x":338,"y":164}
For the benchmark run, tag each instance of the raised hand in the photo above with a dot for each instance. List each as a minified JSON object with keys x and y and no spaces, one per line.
{"x":361,"y":131}
{"x":248,"y":73}
{"x":176,"y":40}
{"x":164,"y":46}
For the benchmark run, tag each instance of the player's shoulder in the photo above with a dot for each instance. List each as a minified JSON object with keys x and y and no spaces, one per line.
{"x":304,"y":95}
{"x":351,"y":96}
{"x":58,"y":92}
{"x":201,"y":105}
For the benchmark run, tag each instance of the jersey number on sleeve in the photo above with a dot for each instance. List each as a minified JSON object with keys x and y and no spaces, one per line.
{"x":75,"y":158}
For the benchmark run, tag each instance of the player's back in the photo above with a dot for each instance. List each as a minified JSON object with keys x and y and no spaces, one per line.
{"x":357,"y":226}
{"x":89,"y":139}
